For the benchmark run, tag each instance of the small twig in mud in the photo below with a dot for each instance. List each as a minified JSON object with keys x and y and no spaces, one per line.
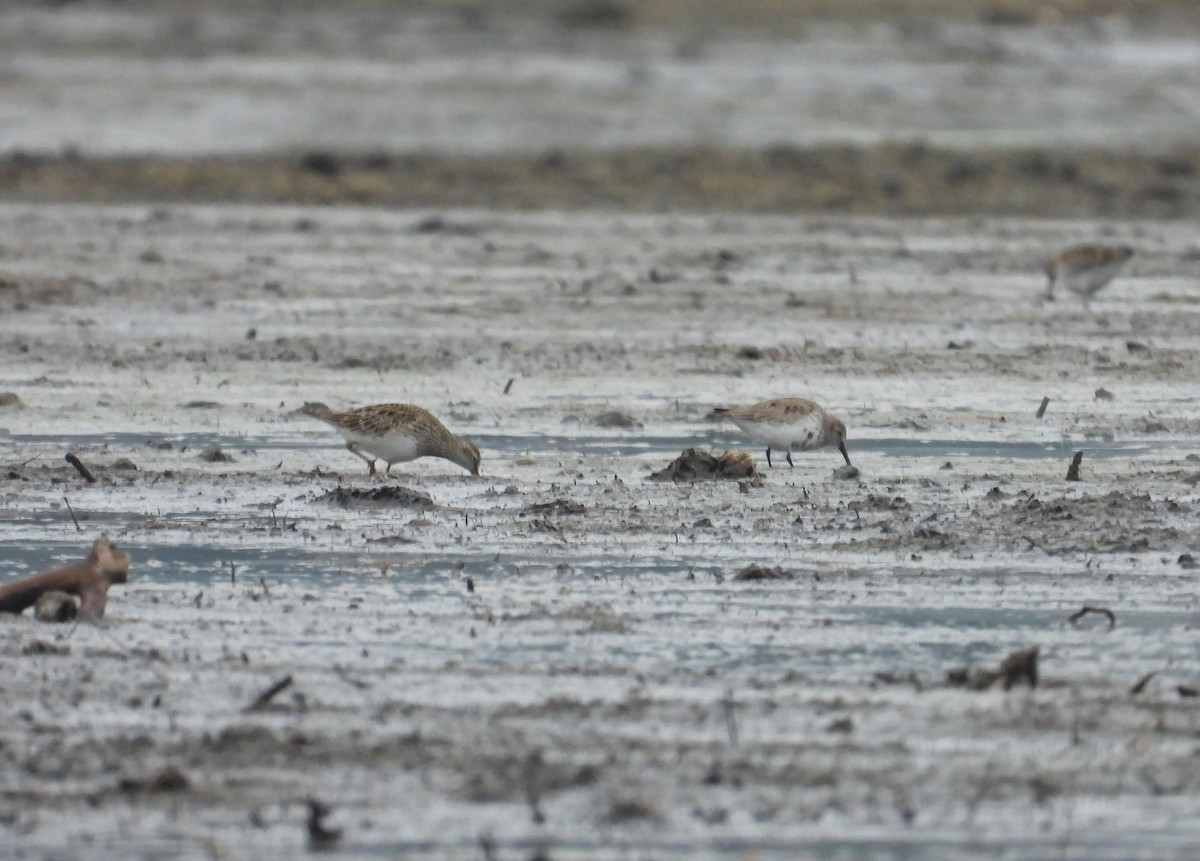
{"x":1103,"y":611}
{"x":1073,"y":469}
{"x":71,"y":511}
{"x":1042,"y":409}
{"x":1141,"y":683}
{"x":270,"y":693}
{"x":319,"y":836}
{"x":533,"y":767}
{"x":727,"y":705}
{"x":508,"y":385}
{"x":83,"y":470}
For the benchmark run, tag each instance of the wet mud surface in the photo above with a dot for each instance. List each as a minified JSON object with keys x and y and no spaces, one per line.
{"x":562,"y":656}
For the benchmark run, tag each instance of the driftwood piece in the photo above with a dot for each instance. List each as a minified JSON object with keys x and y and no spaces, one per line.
{"x":88,"y":578}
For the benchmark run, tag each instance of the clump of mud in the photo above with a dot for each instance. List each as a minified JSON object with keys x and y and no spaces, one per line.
{"x":695,"y":465}
{"x":388,"y":495}
{"x":756,"y":573}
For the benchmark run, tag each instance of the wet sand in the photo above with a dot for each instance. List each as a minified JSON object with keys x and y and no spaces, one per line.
{"x":608,"y":688}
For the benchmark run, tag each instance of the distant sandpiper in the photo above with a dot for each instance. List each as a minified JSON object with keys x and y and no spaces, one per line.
{"x":396,"y":433}
{"x":792,"y":424}
{"x":1084,"y":269}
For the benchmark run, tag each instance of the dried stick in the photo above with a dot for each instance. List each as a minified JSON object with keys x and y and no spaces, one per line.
{"x":1042,"y":409}
{"x":270,"y":693}
{"x":83,"y":470}
{"x":71,"y":511}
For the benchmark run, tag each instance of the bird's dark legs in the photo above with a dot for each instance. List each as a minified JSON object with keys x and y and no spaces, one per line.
{"x":768,"y":457}
{"x":352,"y":447}
{"x":792,"y":465}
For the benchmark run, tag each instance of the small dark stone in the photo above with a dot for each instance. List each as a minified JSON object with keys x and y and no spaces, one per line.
{"x":615,"y":419}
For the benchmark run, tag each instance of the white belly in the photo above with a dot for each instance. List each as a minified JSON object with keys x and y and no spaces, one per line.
{"x":1088,"y":281}
{"x":392,"y":448}
{"x":802,"y":435}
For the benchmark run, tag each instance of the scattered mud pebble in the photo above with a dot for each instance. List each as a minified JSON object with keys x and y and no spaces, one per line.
{"x":1186,"y":560}
{"x":558,"y":506}
{"x":214,"y":454}
{"x":616,"y":419}
{"x":351,"y":497}
{"x":697,"y":465}
{"x":754,"y":573}
{"x":1103,"y":394}
{"x":846,"y":471}
{"x":1020,"y":666}
{"x":124,"y":464}
{"x":55,"y":607}
{"x":10,"y":399}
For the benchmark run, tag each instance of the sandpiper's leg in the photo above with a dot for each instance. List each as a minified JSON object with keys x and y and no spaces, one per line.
{"x":388,"y":468}
{"x":352,"y":447}
{"x":792,"y":465}
{"x":768,"y":457}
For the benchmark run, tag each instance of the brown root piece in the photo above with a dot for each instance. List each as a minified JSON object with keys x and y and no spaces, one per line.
{"x":1102,"y":611}
{"x":1073,"y":469}
{"x":697,"y":465}
{"x":89,"y":579}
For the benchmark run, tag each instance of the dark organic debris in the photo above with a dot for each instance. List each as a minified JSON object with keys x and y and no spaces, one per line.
{"x":1073,"y":469}
{"x":320,"y":836}
{"x":1102,"y":611}
{"x":351,"y":497}
{"x":697,"y":465}
{"x":558,"y":506}
{"x":1103,"y":394}
{"x":754,"y":572}
{"x":213,"y":454}
{"x":1187,"y":691}
{"x":616,"y":419}
{"x":1020,"y":666}
{"x":55,"y":606}
{"x":200,"y":405}
{"x":1186,"y":560}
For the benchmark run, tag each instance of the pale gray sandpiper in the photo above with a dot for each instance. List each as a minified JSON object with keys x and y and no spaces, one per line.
{"x":396,"y":433}
{"x":791,"y":424}
{"x":1084,"y":269}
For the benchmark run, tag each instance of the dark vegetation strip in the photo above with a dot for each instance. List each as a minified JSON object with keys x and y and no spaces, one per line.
{"x":912,"y":180}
